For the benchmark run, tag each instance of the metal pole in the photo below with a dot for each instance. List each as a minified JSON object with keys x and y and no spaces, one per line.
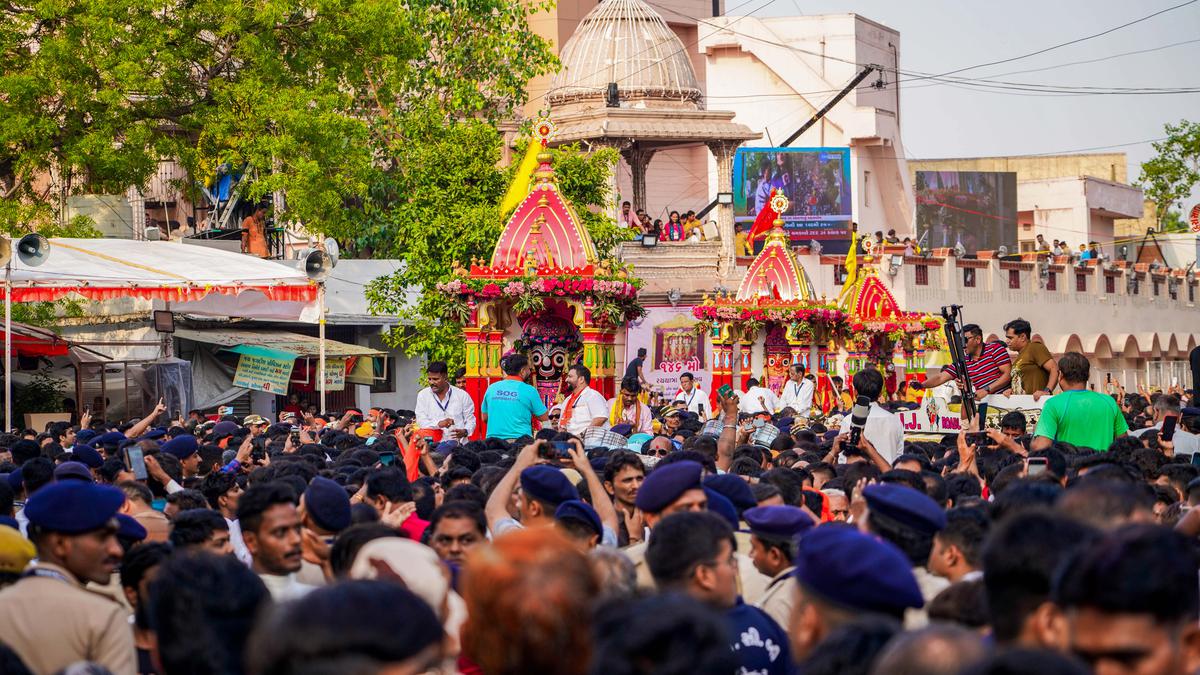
{"x":8,"y":345}
{"x":321,"y":341}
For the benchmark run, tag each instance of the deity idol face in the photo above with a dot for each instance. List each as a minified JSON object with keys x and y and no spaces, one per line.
{"x":548,"y":362}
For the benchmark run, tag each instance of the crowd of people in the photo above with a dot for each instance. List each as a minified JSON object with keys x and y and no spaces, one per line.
{"x":740,"y":532}
{"x":679,"y":226}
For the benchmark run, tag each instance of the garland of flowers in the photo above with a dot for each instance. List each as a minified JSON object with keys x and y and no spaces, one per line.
{"x":812,"y":316}
{"x":614,"y":299}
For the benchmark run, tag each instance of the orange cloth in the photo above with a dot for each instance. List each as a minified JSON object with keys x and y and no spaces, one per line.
{"x":412,"y":458}
{"x":254,"y":237}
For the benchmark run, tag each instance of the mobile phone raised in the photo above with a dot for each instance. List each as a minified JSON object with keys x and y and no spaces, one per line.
{"x":136,"y":462}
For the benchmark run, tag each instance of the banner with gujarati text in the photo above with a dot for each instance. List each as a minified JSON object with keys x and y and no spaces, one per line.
{"x":263,"y":373}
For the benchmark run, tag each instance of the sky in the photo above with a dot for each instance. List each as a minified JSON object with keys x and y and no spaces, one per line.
{"x":937,"y":36}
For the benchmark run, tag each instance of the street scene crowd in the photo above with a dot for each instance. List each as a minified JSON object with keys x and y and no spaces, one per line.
{"x":613,"y":536}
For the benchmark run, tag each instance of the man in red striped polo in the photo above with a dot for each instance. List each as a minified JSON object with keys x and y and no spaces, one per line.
{"x":988,"y":365}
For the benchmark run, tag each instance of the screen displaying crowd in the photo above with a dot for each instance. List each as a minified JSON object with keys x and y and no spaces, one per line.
{"x":722,"y":532}
{"x":976,"y":210}
{"x":816,"y":182}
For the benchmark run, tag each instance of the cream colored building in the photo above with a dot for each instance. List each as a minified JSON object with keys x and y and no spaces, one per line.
{"x":776,"y":73}
{"x":1076,"y":198}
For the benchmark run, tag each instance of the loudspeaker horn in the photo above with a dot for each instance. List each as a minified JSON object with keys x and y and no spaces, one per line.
{"x":317,"y":264}
{"x":33,"y":249}
{"x":331,"y":247}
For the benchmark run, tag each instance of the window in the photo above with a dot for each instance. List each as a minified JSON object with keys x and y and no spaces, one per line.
{"x":969,"y":277}
{"x":1191,"y":292}
{"x":839,"y":275}
{"x":1052,"y":281}
{"x":1134,"y":283}
{"x":1014,"y":280}
{"x":866,"y":188}
{"x":921,"y":277}
{"x":1110,"y":285}
{"x":1157,"y":290}
{"x":1081,"y":283}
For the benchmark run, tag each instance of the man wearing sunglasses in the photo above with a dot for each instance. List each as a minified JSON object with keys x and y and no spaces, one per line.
{"x":988,"y":365}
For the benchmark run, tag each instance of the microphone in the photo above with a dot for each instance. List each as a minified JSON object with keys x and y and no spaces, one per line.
{"x":858,"y":418}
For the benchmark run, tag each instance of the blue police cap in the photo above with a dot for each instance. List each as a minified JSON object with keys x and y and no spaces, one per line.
{"x":718,"y":504}
{"x":574,"y":509}
{"x":73,"y":506}
{"x":445,"y":447}
{"x":1190,"y":412}
{"x":667,"y":483}
{"x":598,"y":464}
{"x":15,"y":479}
{"x":623,"y":429}
{"x":154,"y":434}
{"x":129,"y":528}
{"x":182,"y":446}
{"x":87,"y":455}
{"x":733,"y":488}
{"x":72,"y":471}
{"x":852,"y":570}
{"x":547,"y":484}
{"x":778,"y":522}
{"x":110,"y":438}
{"x":85,"y":435}
{"x":328,"y":504}
{"x":225,"y":428}
{"x":906,"y":506}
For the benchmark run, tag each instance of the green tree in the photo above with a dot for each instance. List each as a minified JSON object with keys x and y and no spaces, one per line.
{"x":447,"y":210}
{"x":305,"y":96}
{"x":1170,"y":176}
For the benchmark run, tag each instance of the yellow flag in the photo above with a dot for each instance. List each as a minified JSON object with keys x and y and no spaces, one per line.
{"x":520,"y":185}
{"x":852,"y":259}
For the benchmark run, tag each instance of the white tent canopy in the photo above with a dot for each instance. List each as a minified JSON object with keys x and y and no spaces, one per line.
{"x":193,"y":279}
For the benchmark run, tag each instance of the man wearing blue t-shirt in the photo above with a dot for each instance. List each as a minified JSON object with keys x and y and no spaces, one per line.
{"x":510,"y":405}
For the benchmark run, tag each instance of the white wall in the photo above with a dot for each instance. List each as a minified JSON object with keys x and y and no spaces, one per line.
{"x":759,"y":69}
{"x":1118,"y":331}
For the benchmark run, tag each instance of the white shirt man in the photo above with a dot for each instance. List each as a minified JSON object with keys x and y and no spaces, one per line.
{"x":444,"y":406}
{"x":883,"y":430}
{"x":757,"y":399}
{"x":797,"y":392}
{"x":584,"y":407}
{"x":692,"y":396}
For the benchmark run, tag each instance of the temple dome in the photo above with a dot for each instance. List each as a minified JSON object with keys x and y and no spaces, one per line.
{"x":627,"y":42}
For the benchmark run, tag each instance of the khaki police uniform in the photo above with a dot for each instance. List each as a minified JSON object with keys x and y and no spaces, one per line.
{"x":779,"y":597}
{"x":50,"y":621}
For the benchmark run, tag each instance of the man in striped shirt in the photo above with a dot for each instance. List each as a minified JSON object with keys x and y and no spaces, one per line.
{"x":988,"y":365}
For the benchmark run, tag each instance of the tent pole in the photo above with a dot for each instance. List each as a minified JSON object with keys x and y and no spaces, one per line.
{"x":321,"y":340}
{"x":8,"y":344}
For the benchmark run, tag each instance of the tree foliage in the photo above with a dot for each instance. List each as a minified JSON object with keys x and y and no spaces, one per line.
{"x":1174,"y":172}
{"x":447,"y":210}
{"x":311,"y":97}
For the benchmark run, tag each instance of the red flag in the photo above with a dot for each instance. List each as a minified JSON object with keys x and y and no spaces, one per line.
{"x":764,"y":221}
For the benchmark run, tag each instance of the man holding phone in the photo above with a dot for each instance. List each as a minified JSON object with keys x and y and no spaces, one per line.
{"x":693,"y":397}
{"x":1167,"y":421}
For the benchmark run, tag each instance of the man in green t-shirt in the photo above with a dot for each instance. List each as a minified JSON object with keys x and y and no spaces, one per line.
{"x":1078,"y":415}
{"x":1034,"y":371}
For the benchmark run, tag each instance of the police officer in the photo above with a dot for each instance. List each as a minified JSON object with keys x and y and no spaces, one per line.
{"x":842,"y":575}
{"x":47,"y":617}
{"x":774,"y":531}
{"x":671,"y":488}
